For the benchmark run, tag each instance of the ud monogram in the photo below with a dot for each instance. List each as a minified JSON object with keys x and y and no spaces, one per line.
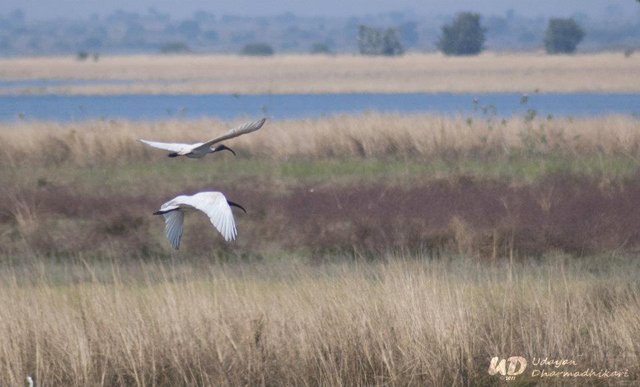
{"x":517,"y":365}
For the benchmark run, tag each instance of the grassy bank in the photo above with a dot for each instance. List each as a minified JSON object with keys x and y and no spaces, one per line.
{"x":397,"y":322}
{"x":603,"y":72}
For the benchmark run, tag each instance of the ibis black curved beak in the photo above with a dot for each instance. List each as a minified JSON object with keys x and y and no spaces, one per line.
{"x":162,"y":212}
{"x":223,"y":147}
{"x":232,"y":204}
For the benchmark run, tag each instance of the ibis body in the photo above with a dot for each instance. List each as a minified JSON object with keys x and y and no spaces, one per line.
{"x":214,"y":204}
{"x":201,"y":149}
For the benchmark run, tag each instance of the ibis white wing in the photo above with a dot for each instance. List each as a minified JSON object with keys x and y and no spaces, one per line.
{"x":173,"y":221}
{"x":215,"y":205}
{"x":235,"y":132}
{"x":172,"y":147}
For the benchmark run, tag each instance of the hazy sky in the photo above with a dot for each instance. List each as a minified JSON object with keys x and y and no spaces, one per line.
{"x":39,"y":9}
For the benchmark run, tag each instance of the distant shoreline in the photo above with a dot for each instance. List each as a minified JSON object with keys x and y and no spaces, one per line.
{"x":286,"y":74}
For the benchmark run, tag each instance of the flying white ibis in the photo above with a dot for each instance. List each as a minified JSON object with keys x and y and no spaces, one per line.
{"x":214,"y":204}
{"x":200,"y":149}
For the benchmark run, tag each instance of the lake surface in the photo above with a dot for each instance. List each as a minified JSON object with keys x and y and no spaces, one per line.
{"x":280,"y":106}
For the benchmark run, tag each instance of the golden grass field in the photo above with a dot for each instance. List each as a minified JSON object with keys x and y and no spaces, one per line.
{"x":378,"y":249}
{"x":401,"y":321}
{"x":489,"y":72}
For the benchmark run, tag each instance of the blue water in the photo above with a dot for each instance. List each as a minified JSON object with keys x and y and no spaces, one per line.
{"x":279,"y":106}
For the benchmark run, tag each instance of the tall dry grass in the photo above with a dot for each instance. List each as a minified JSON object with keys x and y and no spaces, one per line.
{"x":612,"y":72}
{"x":370,"y":135}
{"x":404,"y":322}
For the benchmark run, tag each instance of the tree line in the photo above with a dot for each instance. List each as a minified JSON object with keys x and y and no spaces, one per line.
{"x":466,"y":36}
{"x":202,"y":32}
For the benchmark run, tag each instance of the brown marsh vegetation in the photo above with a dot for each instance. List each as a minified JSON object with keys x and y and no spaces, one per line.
{"x":349,"y":184}
{"x":488,"y":219}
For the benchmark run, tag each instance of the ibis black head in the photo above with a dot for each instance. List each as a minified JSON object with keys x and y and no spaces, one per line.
{"x":223,"y":147}
{"x":232,"y":204}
